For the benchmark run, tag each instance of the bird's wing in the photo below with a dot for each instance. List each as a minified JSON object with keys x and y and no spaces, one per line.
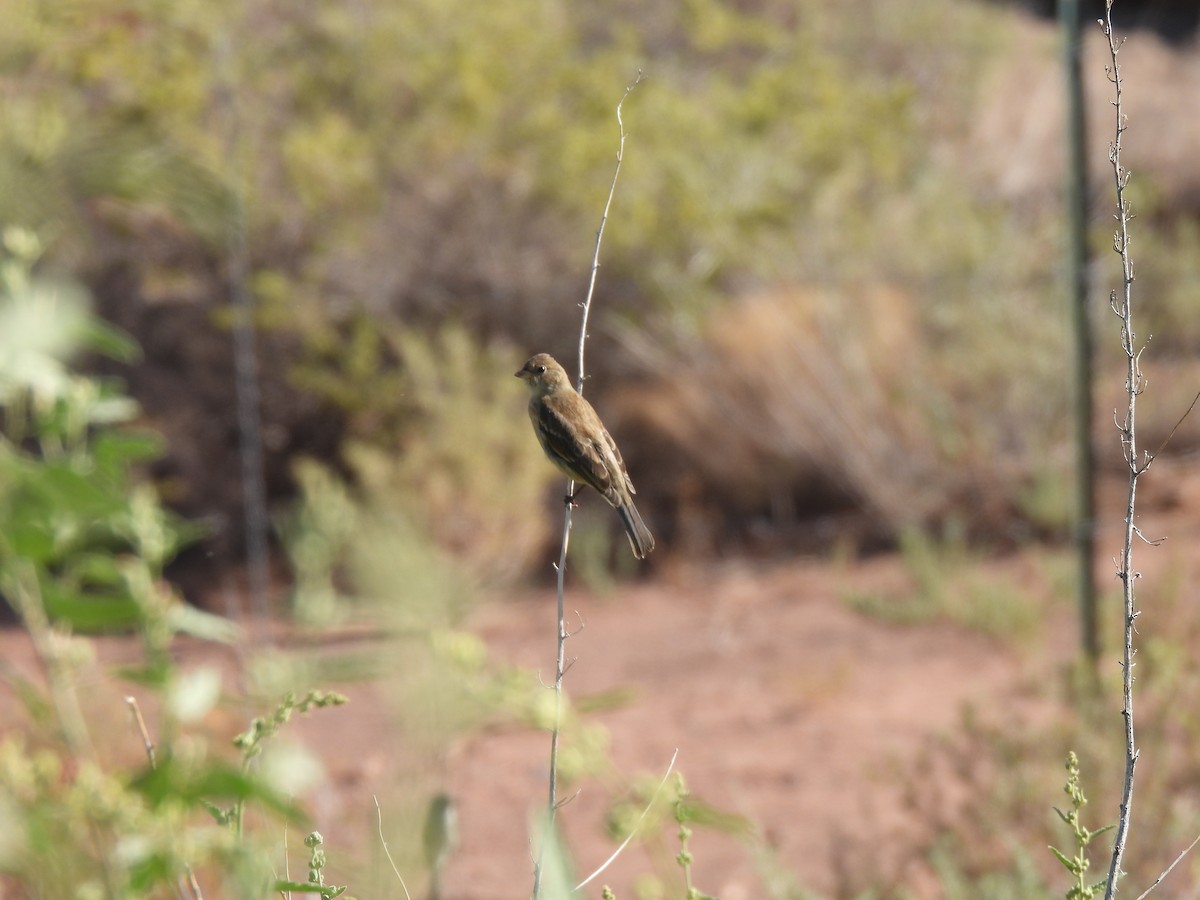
{"x":570,"y":432}
{"x":619,"y":472}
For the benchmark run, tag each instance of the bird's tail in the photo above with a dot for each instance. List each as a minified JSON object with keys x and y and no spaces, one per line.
{"x":640,"y":538}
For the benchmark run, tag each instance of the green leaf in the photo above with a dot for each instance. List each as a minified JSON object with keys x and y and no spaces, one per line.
{"x":81,"y":493}
{"x":220,"y":815}
{"x":154,"y":675}
{"x":105,"y":338}
{"x":97,"y":569}
{"x":198,"y":623}
{"x":1066,"y":861}
{"x":307,"y":887}
{"x":113,"y":451}
{"x":182,"y":532}
{"x":89,"y":613}
{"x":154,"y":870}
{"x":171,"y":781}
{"x":29,"y":537}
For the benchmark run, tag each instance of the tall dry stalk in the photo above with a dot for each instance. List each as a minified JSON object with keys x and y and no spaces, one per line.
{"x":1122,"y":305}
{"x":561,"y":567}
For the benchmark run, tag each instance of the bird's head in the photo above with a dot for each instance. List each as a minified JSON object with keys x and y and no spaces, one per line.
{"x":543,"y":374}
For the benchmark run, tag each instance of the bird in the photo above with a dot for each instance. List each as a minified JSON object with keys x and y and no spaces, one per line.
{"x":576,"y":441}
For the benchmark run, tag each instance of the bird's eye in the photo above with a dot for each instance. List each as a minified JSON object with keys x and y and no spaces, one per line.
{"x":541,"y":370}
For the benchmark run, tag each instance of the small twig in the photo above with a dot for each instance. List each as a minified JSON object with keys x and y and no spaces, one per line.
{"x":633,"y":831}
{"x":386,"y":852}
{"x":141,"y":726}
{"x":582,"y":625}
{"x":571,"y":799}
{"x":1153,"y":542}
{"x":1167,"y":871}
{"x":194,"y":884}
{"x":612,"y":189}
{"x":182,"y":886}
{"x":1167,"y":439}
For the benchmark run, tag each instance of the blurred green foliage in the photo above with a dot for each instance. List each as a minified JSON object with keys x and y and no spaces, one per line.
{"x":1077,"y":865}
{"x":405,"y":166}
{"x":662,"y":813}
{"x":70,"y":507}
{"x":422,"y":182}
{"x":950,"y":581}
{"x":83,"y":543}
{"x":339,"y":119}
{"x":440,"y":443}
{"x":1013,"y":778}
{"x":407,"y":169}
{"x":342,"y":125}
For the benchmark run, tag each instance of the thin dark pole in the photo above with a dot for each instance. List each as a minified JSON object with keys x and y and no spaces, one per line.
{"x":1078,"y":261}
{"x":245,"y":360}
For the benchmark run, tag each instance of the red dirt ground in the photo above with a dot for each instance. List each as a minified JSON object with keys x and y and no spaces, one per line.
{"x":786,"y":707}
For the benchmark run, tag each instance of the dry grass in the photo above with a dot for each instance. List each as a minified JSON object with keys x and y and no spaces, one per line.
{"x":803,"y":402}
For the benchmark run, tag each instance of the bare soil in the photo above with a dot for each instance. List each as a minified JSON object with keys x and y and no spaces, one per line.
{"x":787,"y":707}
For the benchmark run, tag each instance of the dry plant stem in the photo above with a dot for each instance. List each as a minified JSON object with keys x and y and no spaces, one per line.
{"x":1122,"y":306}
{"x":1167,"y":871}
{"x":612,"y":189}
{"x":386,"y":851}
{"x":633,"y":831}
{"x":27,"y":600}
{"x":561,"y":568}
{"x":185,"y":888}
{"x":140,"y":722}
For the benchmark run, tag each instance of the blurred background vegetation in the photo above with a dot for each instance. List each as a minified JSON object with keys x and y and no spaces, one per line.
{"x":830,"y":314}
{"x":823,"y":309}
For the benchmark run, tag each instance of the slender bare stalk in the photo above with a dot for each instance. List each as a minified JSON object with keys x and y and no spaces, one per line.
{"x":561,"y":567}
{"x":186,"y":885}
{"x":1122,"y":305}
{"x":386,"y":851}
{"x":1167,"y":871}
{"x":633,"y":831}
{"x":25,"y":593}
{"x":140,"y":722}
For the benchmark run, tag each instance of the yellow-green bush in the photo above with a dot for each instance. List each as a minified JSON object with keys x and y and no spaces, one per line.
{"x":405,"y":165}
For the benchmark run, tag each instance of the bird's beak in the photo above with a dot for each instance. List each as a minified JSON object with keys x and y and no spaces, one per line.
{"x":521,"y":374}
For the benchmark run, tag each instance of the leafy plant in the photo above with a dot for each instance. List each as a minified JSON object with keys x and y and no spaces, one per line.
{"x":83,"y":543}
{"x":1078,"y":864}
{"x":75,"y":527}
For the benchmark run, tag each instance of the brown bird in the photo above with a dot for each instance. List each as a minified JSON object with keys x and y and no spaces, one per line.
{"x":576,"y":441}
